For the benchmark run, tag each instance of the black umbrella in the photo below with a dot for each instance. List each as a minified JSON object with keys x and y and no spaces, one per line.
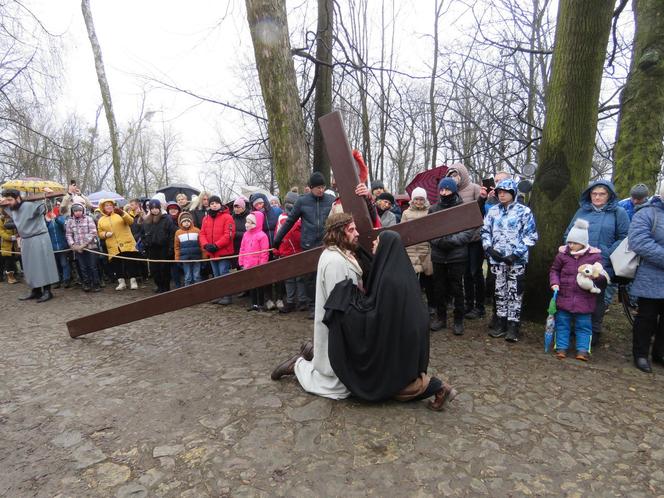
{"x":170,"y":191}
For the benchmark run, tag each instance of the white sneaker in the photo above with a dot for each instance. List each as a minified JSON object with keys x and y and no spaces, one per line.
{"x":269,"y":305}
{"x":280,"y":304}
{"x":133,"y":285}
{"x":121,"y":284}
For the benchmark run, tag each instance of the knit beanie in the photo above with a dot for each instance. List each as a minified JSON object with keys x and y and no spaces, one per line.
{"x":316,"y":179}
{"x":258,"y":200}
{"x":579,"y":233}
{"x":418,"y":192}
{"x":639,"y":191}
{"x":449,"y":184}
{"x":185,"y":215}
{"x":291,"y":198}
{"x":214,"y":198}
{"x":77,"y":207}
{"x":154,"y":204}
{"x":240,"y":202}
{"x":376,"y":184}
{"x":386,"y":196}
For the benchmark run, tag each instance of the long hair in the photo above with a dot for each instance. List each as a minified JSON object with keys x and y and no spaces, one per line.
{"x":334,"y":231}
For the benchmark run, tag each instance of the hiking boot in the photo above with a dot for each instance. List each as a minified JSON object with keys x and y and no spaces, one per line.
{"x":499,"y":328}
{"x":512,"y":332}
{"x":561,"y":354}
{"x":457,"y":329}
{"x":438,"y":324}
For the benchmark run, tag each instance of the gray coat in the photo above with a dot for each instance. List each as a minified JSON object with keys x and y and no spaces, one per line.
{"x":37,"y":256}
{"x":646,"y":238}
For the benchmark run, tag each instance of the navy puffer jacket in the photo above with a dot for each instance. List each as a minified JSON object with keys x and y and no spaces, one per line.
{"x":313,"y":211}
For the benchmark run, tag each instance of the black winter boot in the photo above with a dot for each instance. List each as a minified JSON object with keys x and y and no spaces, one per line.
{"x":498,"y":327}
{"x":458,"y":326}
{"x":439,"y":323}
{"x":512,"y":332}
{"x":46,"y":294}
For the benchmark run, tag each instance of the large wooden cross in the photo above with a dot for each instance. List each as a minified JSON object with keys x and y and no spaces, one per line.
{"x":434,"y":225}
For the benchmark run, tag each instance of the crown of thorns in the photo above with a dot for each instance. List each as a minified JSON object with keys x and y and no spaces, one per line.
{"x":340,"y":224}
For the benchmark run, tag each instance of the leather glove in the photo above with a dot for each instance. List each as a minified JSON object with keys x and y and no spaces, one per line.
{"x":210,"y":248}
{"x":494,"y":254}
{"x":511,"y":259}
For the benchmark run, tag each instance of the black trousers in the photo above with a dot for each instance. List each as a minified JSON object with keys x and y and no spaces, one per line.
{"x":649,"y":322}
{"x":473,"y":280}
{"x":257,"y":296}
{"x":448,"y":281}
{"x":126,"y":268}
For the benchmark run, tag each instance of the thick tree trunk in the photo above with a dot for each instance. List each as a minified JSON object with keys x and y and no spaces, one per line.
{"x":323,"y":104}
{"x":638,"y":149}
{"x":276,"y":72}
{"x":566,"y":152}
{"x":105,"y":95}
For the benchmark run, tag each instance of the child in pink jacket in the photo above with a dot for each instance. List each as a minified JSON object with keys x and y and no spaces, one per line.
{"x":254,"y":241}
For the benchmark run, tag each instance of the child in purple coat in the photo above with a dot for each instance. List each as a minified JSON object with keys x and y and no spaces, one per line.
{"x":575,"y":305}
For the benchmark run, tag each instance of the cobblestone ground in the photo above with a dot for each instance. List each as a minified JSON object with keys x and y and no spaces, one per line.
{"x":182,"y":405}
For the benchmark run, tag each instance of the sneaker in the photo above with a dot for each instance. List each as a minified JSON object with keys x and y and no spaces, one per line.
{"x":582,"y":355}
{"x":561,"y":354}
{"x":512,"y":334}
{"x":498,"y":327}
{"x":269,"y":305}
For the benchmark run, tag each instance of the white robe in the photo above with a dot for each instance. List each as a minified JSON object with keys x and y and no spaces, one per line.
{"x":316,"y":376}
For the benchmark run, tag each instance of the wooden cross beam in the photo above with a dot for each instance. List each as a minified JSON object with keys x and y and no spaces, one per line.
{"x":343,"y":165}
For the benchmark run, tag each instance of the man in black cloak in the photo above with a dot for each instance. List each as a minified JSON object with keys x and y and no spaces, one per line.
{"x":379,"y":338}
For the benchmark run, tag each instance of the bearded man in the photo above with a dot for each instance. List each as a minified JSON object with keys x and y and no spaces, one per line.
{"x":336,"y":264}
{"x":38,"y":260}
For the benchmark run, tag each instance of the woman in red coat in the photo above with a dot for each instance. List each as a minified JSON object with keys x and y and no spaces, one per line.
{"x":216,"y":238}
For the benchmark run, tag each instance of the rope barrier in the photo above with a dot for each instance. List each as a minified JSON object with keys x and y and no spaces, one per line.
{"x":147,"y":260}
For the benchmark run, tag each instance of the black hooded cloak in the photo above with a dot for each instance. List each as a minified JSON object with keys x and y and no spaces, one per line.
{"x":379,"y":341}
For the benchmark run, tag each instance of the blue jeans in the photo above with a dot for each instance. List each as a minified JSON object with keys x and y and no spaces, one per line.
{"x":192,"y":273}
{"x":582,"y":328}
{"x":87,"y":262}
{"x":62,"y":259}
{"x":220,"y":267}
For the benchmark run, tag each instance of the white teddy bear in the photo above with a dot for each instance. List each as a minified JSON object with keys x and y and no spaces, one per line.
{"x":586,"y":275}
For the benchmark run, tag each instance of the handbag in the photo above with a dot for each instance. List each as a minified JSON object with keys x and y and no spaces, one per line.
{"x":625,"y":261}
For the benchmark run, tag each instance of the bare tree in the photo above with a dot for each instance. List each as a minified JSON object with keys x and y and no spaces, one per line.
{"x":105,"y":95}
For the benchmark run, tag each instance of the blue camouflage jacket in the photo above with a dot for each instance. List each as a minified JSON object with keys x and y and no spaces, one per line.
{"x":509,"y":230}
